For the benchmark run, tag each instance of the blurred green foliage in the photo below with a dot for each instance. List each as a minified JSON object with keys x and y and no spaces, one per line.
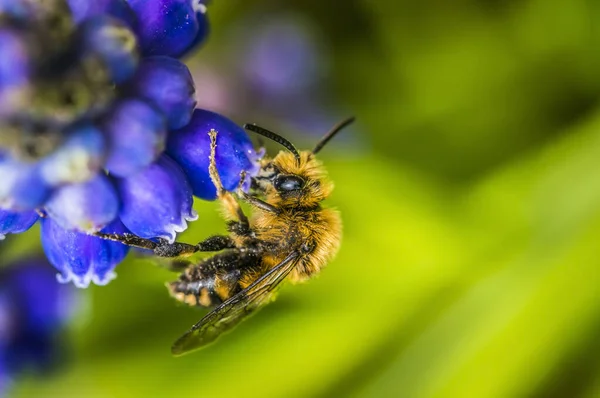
{"x":470,"y":265}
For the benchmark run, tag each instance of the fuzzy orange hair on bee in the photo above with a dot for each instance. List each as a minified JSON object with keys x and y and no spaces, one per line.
{"x":289,"y":236}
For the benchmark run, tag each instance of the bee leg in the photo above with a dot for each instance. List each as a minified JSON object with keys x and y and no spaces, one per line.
{"x":216,"y":243}
{"x":230,"y":204}
{"x":256,"y":202}
{"x":128,"y":239}
{"x":175,"y":249}
{"x":161,"y":248}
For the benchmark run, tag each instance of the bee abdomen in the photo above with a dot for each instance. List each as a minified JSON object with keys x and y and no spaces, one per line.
{"x":213,"y":280}
{"x":206,"y":284}
{"x":194,"y":293}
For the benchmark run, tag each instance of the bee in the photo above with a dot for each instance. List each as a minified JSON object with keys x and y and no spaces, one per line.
{"x":289,"y":236}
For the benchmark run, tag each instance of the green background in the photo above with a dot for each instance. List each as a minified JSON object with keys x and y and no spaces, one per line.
{"x":470,"y":265}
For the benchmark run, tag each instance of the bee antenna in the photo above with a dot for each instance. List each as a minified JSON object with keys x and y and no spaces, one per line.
{"x":274,"y":137}
{"x":334,"y":130}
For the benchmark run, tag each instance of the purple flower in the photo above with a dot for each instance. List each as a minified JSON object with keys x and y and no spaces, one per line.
{"x":157,"y":202}
{"x":87,"y":206}
{"x":22,"y":186}
{"x":79,"y":158}
{"x":90,"y":98}
{"x":137,"y":134}
{"x":15,"y":223}
{"x":167,"y":84}
{"x":203,"y":29}
{"x":81,"y":258}
{"x":169,"y":27}
{"x":190,"y":147}
{"x":111,"y":41}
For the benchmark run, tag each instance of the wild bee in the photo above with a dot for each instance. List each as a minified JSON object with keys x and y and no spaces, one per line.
{"x":288,"y":237}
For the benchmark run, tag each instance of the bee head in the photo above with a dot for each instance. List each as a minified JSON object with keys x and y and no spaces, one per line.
{"x":295,"y":183}
{"x":293,"y":178}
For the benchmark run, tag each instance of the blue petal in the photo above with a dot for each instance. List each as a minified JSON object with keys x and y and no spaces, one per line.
{"x":81,"y":258}
{"x":78,"y":159}
{"x":87,"y":206}
{"x":203,"y":32}
{"x":190,"y":147}
{"x":137,"y":137}
{"x":113,"y":42}
{"x":157,"y":202}
{"x":22,"y":186}
{"x":83,"y":9}
{"x":166,"y":27}
{"x":15,"y":223}
{"x":167,"y":84}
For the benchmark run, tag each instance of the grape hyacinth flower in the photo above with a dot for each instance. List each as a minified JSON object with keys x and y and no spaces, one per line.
{"x":98,"y":131}
{"x":33,"y":310}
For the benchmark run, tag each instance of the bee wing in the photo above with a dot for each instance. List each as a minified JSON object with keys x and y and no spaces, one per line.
{"x":235,"y":309}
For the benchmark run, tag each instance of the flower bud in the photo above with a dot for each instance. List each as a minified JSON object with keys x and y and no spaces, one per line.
{"x":22,"y":186}
{"x":136,"y":135}
{"x":113,"y":42}
{"x":87,"y":206}
{"x":190,"y":148}
{"x":167,"y":84}
{"x":157,"y":202}
{"x":78,"y":159}
{"x":168,"y":27}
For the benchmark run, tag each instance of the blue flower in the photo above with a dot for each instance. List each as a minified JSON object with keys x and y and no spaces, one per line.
{"x":33,"y":310}
{"x":111,"y":41}
{"x":170,"y":27}
{"x":157,"y":202}
{"x":91,"y":104}
{"x":190,"y":147}
{"x":22,"y":186}
{"x":86,"y":207}
{"x":15,"y":223}
{"x":78,"y":159}
{"x":137,"y":135}
{"x":167,"y":84}
{"x":82,"y":258}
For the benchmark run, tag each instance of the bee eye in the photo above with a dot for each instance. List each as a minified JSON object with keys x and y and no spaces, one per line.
{"x":288,"y":183}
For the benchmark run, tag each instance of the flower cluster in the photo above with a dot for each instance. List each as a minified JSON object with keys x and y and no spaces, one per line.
{"x":98,"y":130}
{"x":33,"y":310}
